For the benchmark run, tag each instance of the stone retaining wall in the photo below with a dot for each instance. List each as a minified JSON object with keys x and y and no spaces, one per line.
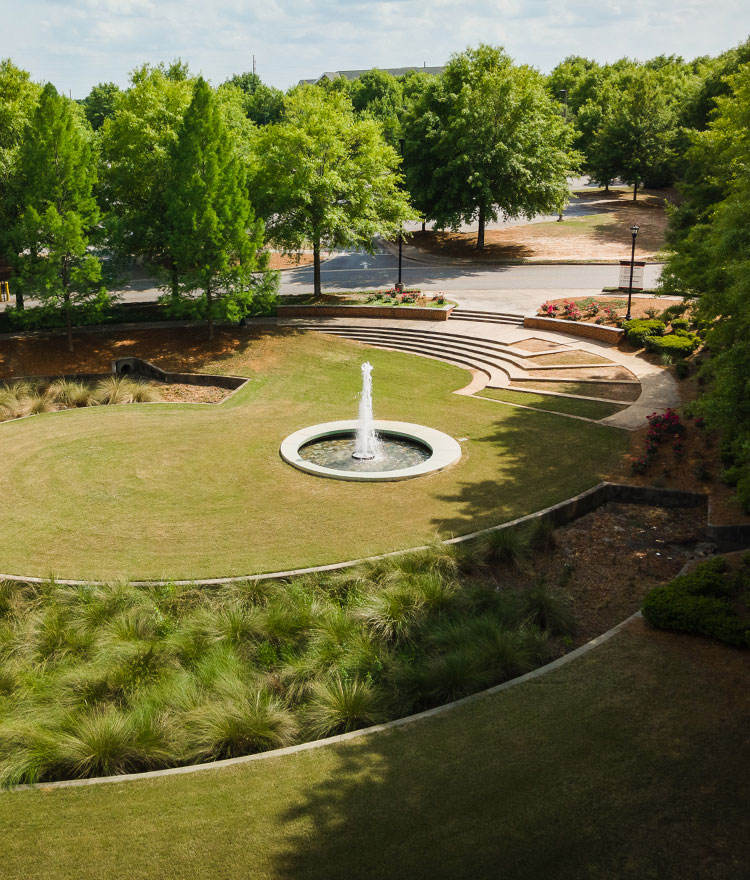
{"x":413,"y":313}
{"x":132,"y":366}
{"x":612,"y":335}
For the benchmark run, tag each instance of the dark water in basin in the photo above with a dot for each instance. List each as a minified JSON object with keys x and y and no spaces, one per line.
{"x":336,"y":452}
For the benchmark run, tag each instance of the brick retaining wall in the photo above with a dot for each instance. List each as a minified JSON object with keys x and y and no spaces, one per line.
{"x":612,"y":335}
{"x":414,"y":313}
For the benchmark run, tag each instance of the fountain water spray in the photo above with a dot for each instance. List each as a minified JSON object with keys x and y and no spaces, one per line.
{"x":367,"y":440}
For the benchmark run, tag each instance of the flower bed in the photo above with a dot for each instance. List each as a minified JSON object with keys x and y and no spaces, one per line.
{"x":408,"y":304}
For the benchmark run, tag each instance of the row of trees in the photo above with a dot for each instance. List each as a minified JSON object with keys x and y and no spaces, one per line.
{"x":633,"y":120}
{"x":195,"y":181}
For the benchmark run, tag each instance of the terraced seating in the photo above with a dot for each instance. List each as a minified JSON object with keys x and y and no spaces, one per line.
{"x":511,"y":318}
{"x":500,"y":363}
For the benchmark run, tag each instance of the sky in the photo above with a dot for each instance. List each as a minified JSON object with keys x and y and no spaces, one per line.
{"x":78,"y":43}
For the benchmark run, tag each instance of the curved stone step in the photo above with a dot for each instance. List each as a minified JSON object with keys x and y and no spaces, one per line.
{"x":433,"y":342}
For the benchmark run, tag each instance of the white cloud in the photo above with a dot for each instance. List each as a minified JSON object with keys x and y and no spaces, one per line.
{"x":77,"y":43}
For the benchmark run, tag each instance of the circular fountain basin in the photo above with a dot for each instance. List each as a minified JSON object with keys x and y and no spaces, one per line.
{"x":409,"y":451}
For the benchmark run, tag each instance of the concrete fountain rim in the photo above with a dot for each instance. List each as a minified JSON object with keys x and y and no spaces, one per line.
{"x":445,"y":450}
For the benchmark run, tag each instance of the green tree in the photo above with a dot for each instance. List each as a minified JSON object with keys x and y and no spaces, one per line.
{"x":58,"y":211}
{"x":263,"y":104}
{"x":101,"y":103}
{"x":635,"y":139}
{"x":135,"y":146}
{"x":379,"y":95}
{"x":324,"y":177}
{"x":212,"y":232}
{"x":485,"y":139}
{"x":711,"y":264}
{"x":18,"y":98}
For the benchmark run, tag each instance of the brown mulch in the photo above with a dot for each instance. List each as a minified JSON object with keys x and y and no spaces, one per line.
{"x":606,"y":561}
{"x":289,"y":261}
{"x":182,"y":349}
{"x":181,"y":393}
{"x":605,"y":241}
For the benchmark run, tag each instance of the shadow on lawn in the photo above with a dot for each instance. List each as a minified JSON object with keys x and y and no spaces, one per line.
{"x":620,"y":765}
{"x":538,"y":457}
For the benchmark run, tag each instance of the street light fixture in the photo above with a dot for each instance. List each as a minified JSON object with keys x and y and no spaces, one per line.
{"x":634,"y":232}
{"x":400,"y":286}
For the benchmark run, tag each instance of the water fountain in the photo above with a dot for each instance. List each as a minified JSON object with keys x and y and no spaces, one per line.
{"x":366,"y":449}
{"x":367,"y":439}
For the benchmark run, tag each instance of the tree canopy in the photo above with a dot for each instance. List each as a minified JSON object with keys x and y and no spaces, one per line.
{"x":324,"y":178}
{"x":485,"y":139}
{"x":213,"y":236}
{"x":58,"y":210}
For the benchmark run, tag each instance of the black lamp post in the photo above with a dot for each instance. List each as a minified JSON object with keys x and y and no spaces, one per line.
{"x":401,"y":230}
{"x":634,"y":233}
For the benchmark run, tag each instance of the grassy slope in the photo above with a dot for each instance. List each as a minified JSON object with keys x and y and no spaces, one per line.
{"x":628,"y":763}
{"x":188,"y":491}
{"x":590,"y":409}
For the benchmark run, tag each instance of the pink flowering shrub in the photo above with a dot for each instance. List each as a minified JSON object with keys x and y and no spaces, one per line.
{"x":660,"y":427}
{"x":549,"y":309}
{"x":571,"y":311}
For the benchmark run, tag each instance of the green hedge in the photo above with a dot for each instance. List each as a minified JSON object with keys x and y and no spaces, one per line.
{"x":701,"y":602}
{"x":678,"y":346}
{"x":641,"y":329}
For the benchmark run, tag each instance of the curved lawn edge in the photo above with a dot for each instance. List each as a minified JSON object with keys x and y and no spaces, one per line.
{"x":560,"y":513}
{"x":342,"y":737}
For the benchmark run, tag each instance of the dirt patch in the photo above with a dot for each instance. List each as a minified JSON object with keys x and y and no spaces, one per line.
{"x":603,"y":235}
{"x":568,"y":357}
{"x":613,"y":374}
{"x":181,"y":393}
{"x":622,"y":393}
{"x":639,"y":307}
{"x":535,"y":344}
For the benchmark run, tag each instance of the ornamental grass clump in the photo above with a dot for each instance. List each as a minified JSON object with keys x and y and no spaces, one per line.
{"x":113,"y":678}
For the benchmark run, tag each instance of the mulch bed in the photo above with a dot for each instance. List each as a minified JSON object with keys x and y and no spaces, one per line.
{"x":606,"y":561}
{"x":638,"y":307}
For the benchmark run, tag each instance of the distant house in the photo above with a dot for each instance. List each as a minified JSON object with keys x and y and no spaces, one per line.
{"x":355,"y":74}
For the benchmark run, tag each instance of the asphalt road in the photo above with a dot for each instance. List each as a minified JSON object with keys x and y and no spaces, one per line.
{"x":512,"y":288}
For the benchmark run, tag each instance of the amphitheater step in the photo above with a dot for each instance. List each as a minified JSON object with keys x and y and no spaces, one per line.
{"x":509,"y":318}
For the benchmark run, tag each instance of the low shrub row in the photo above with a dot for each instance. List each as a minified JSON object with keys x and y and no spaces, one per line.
{"x":708,"y":601}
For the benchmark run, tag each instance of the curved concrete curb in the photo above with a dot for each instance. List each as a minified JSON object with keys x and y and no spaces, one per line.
{"x":445,"y":450}
{"x":343,"y":737}
{"x":558,"y":514}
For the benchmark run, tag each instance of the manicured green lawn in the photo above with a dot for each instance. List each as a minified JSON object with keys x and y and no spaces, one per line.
{"x":183,"y":491}
{"x":590,"y":409}
{"x":629,"y":763}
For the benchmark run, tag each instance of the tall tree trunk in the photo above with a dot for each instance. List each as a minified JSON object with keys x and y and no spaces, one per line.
{"x":175,"y":282}
{"x":19,"y":300}
{"x":316,"y":266}
{"x":210,"y":312}
{"x":635,"y":190}
{"x":424,"y":224}
{"x":68,"y":325}
{"x":606,"y":187}
{"x":480,"y":233}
